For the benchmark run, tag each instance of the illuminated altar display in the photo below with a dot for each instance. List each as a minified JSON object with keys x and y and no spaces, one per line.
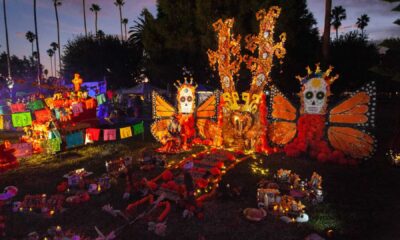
{"x":244,"y":125}
{"x":175,"y":128}
{"x":338,"y":135}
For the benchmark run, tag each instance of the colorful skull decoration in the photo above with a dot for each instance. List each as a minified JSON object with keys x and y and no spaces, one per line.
{"x":186,"y":96}
{"x":315,"y":90}
{"x":314,"y":96}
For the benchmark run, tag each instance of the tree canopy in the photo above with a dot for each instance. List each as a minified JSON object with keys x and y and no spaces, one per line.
{"x":182,"y":32}
{"x":98,"y":58}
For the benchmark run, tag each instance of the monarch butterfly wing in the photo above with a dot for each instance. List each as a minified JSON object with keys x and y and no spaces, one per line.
{"x":206,"y":113}
{"x":161,"y":108}
{"x":159,"y":129}
{"x":349,"y":122}
{"x":283,"y":116}
{"x":209,"y":107}
{"x":352,"y":142}
{"x":281,"y":108}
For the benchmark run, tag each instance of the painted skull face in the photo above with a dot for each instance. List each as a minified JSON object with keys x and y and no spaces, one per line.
{"x":314,"y":96}
{"x":226,"y":81}
{"x":186,"y":99}
{"x":260,"y":79}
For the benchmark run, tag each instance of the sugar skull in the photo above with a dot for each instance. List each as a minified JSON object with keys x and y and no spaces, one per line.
{"x":315,"y":90}
{"x":186,"y":97}
{"x":314,"y":96}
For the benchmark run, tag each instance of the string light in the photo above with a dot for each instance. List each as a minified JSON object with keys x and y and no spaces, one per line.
{"x":394,"y":156}
{"x":257,"y":169}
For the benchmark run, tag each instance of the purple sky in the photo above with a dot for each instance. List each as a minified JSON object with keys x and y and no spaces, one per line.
{"x":20,"y":20}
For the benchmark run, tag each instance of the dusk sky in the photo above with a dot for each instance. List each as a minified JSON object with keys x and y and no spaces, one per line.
{"x":20,"y":20}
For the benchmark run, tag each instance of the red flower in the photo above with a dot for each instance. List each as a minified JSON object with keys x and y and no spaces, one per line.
{"x":167,"y":175}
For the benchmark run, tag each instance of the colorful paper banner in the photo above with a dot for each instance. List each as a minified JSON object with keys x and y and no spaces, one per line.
{"x":93,"y":134}
{"x":125,"y":132}
{"x":101,"y":99}
{"x":54,"y":133}
{"x":36,"y":105}
{"x":110,"y":134}
{"x":1,"y":122}
{"x":53,"y":145}
{"x":77,"y":109}
{"x":74,"y":139}
{"x":138,"y":128}
{"x":17,"y":107}
{"x":43,"y":115}
{"x":21,"y":119}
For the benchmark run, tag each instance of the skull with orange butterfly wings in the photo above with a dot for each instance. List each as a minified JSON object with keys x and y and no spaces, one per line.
{"x":175,"y":128}
{"x":338,"y":134}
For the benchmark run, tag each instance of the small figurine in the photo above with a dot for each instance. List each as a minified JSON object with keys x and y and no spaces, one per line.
{"x":283,"y":175}
{"x":316,"y":181}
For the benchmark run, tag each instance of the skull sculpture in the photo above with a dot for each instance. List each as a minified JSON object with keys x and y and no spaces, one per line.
{"x":186,"y":97}
{"x":315,"y":90}
{"x":315,"y":96}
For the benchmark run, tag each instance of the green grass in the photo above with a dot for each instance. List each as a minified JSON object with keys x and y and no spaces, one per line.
{"x":353,"y":196}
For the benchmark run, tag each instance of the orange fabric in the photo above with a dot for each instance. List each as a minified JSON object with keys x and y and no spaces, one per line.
{"x":282,"y":132}
{"x":283,"y":109}
{"x":352,"y":142}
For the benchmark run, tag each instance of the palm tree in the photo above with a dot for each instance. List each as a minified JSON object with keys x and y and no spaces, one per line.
{"x":95,"y":8}
{"x":7,"y":43}
{"x":84,"y":16}
{"x":50,"y":52}
{"x":46,"y":72}
{"x":327,"y":31}
{"x":58,"y":3}
{"x":100,"y":34}
{"x":54,"y":46}
{"x":338,"y":15}
{"x":39,"y":72}
{"x":119,"y":4}
{"x":362,"y":22}
{"x":30,"y":36}
{"x":125,"y":21}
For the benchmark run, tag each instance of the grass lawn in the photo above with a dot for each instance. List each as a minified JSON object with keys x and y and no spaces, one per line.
{"x":361,"y":202}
